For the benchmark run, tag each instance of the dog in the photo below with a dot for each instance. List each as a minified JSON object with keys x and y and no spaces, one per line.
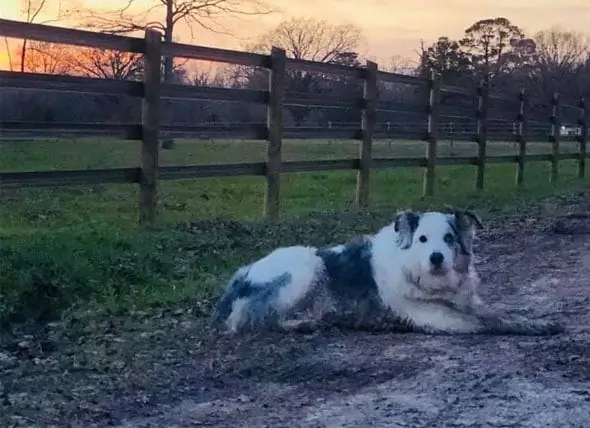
{"x":416,"y":274}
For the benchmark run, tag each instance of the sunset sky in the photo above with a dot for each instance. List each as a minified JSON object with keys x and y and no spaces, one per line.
{"x":391,"y":27}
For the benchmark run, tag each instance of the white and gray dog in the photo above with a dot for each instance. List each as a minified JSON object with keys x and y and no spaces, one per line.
{"x":417,"y":273}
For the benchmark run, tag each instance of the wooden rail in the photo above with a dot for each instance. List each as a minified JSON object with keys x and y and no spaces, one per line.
{"x":151,"y":91}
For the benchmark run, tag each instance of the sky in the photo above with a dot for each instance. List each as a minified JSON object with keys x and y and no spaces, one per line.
{"x":390,"y":27}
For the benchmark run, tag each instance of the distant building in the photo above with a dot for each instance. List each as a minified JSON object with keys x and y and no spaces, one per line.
{"x":570,"y":130}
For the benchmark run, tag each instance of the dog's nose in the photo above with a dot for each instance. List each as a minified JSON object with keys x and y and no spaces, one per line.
{"x":436,"y":259}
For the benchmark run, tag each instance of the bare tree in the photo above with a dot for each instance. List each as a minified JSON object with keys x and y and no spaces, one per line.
{"x":402,"y":65}
{"x":201,"y":78}
{"x":208,"y":77}
{"x":310,"y":39}
{"x":560,"y":59}
{"x":107,"y":64}
{"x":30,"y":10}
{"x":560,"y":48}
{"x":51,"y":58}
{"x":167,"y":15}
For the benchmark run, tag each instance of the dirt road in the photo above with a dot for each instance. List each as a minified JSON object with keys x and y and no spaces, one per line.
{"x":161,"y":372}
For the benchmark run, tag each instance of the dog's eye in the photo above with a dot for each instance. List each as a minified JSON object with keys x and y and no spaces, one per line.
{"x":422,"y":239}
{"x":449,"y":238}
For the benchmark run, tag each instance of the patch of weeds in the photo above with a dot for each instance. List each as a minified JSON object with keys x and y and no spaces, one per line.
{"x":47,"y":274}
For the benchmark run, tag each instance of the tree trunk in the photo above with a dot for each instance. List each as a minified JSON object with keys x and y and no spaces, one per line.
{"x":23,"y":56}
{"x":168,"y":143}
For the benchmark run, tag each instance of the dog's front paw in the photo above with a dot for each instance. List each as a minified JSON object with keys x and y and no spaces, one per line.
{"x":300,"y":326}
{"x":533,"y":328}
{"x":549,"y":328}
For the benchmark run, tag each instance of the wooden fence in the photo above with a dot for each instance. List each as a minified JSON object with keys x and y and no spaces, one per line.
{"x":152,"y":91}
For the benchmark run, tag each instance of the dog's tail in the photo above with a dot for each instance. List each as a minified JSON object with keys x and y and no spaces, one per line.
{"x":232,"y":293}
{"x":249,"y":305}
{"x":517,"y":325}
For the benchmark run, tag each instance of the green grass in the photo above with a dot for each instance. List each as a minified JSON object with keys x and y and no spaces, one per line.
{"x":115,"y":206}
{"x":77,"y":249}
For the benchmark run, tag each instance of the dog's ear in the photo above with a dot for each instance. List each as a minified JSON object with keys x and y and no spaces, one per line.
{"x":465,"y":224}
{"x":465,"y":219}
{"x":405,"y":225}
{"x":468,"y":219}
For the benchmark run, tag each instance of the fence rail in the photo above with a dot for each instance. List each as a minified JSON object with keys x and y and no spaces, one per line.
{"x":152,"y":90}
{"x":131,"y":175}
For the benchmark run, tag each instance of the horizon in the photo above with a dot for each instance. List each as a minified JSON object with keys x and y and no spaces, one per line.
{"x":384,"y":37}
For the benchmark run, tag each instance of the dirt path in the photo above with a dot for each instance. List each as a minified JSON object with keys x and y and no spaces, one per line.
{"x":161,"y":372}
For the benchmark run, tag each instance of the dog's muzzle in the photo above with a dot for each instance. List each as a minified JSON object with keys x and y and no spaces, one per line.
{"x":439,"y":281}
{"x":438,"y":271}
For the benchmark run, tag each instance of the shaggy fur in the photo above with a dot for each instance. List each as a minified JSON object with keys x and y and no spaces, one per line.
{"x":417,"y":273}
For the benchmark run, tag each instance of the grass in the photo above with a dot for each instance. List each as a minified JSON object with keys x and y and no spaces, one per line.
{"x":115,"y":206}
{"x":76,"y":250}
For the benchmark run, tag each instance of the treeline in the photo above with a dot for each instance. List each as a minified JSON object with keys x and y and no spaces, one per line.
{"x":499,"y":53}
{"x":492,"y":52}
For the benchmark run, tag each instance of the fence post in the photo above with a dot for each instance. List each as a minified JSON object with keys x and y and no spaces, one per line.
{"x":482,"y":132}
{"x":555,"y":136}
{"x":521,"y":132}
{"x":363,"y":182}
{"x":432,"y":134}
{"x":274,"y":124}
{"x":583,"y":138}
{"x":148,"y":176}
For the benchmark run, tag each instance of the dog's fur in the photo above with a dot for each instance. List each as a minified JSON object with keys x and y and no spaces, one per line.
{"x":390,"y":278}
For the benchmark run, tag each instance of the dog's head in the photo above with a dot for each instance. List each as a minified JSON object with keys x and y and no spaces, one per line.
{"x":438,"y":246}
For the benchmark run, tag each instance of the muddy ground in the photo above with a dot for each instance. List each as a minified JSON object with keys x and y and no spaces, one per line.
{"x":161,"y":370}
